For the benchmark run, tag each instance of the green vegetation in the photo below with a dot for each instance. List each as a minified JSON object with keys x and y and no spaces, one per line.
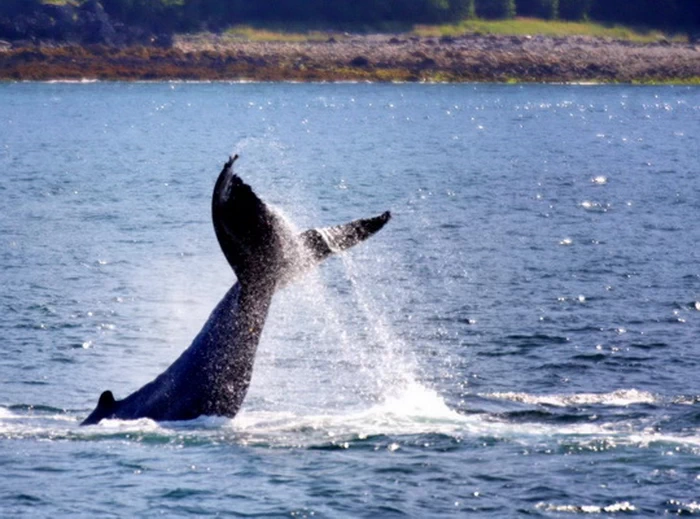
{"x":197,"y":14}
{"x":532,"y":26}
{"x":269,"y":33}
{"x":609,"y":18}
{"x":510,"y":27}
{"x":190,"y":14}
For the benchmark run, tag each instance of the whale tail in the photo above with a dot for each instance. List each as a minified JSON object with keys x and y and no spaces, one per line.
{"x":260,"y":246}
{"x":323,"y":242}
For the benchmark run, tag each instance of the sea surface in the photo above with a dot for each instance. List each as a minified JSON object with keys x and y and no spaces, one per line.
{"x":522,"y":339}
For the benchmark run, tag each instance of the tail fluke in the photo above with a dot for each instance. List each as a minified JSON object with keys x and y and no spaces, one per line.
{"x":251,"y":236}
{"x":313,"y":246}
{"x":321,"y":243}
{"x":261,"y":247}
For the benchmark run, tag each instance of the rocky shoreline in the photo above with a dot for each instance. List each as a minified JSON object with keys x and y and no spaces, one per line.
{"x":344,"y":57}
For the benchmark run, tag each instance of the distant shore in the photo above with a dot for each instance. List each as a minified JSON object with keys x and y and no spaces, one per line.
{"x":381,"y":58}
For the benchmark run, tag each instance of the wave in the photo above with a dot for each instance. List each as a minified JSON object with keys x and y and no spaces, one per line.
{"x":415,"y":415}
{"x":623,"y":506}
{"x":81,"y":81}
{"x":618,"y":398}
{"x":414,"y":411}
{"x":684,"y":508}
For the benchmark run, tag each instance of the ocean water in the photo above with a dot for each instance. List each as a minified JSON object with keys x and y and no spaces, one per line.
{"x":523,"y":338}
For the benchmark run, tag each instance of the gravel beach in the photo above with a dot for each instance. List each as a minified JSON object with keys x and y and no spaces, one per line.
{"x":343,"y":57}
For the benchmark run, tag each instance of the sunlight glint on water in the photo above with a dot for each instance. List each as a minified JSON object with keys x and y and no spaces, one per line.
{"x":521,"y":339}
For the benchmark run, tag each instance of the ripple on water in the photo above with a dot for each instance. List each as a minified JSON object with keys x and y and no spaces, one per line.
{"x":490,"y":228}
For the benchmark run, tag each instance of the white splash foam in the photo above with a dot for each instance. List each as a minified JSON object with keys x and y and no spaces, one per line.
{"x":618,"y":398}
{"x":415,"y":410}
{"x":595,"y":207}
{"x":693,"y":507}
{"x":20,"y":425}
{"x":624,"y":506}
{"x":6,"y":414}
{"x":646,"y":438}
{"x":141,"y":425}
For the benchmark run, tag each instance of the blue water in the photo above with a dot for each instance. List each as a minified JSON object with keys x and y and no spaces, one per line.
{"x":523,"y":338}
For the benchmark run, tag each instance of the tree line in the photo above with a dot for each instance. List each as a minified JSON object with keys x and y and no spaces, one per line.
{"x":191,"y":15}
{"x":667,"y":14}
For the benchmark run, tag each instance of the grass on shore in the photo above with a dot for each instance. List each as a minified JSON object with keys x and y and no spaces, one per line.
{"x":513,"y":27}
{"x":536,"y":26}
{"x":264,"y":33}
{"x":61,"y":2}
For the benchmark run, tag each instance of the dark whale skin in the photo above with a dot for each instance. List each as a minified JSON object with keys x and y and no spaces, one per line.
{"x":212,"y":376}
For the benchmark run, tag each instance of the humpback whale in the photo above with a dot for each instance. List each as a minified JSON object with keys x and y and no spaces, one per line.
{"x":212,"y":376}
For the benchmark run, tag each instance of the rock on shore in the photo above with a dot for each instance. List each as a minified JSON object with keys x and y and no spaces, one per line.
{"x":360,"y":58}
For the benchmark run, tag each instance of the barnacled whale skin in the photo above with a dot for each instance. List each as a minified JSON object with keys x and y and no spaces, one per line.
{"x":212,"y":376}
